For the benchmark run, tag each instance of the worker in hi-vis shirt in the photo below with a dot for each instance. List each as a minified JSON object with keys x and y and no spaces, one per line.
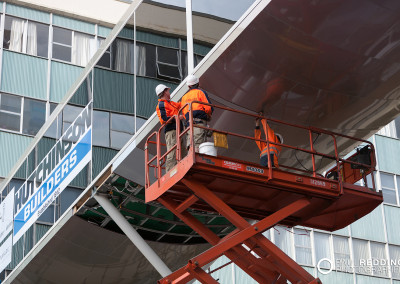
{"x":165,"y":110}
{"x":201,"y":113}
{"x":273,"y":137}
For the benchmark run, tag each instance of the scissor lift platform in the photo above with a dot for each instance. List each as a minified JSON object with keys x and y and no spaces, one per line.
{"x":256,"y":192}
{"x":240,"y":190}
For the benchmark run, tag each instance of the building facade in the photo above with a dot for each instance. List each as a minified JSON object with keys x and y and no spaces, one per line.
{"x":44,"y":52}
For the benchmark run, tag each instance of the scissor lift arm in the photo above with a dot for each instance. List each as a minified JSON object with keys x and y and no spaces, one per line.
{"x":264,"y":262}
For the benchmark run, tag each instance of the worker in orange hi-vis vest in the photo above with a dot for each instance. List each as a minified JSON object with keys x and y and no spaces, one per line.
{"x":273,"y":137}
{"x":201,"y":113}
{"x":165,"y":110}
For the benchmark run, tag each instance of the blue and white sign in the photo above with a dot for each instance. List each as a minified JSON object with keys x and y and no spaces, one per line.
{"x":6,"y":216}
{"x":72,"y":152}
{"x":5,"y":253}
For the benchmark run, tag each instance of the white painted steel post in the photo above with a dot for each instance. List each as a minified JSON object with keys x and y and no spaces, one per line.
{"x":134,"y":236}
{"x":189,"y":36}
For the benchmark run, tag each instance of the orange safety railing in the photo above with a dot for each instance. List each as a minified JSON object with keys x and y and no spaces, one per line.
{"x":348,"y":170}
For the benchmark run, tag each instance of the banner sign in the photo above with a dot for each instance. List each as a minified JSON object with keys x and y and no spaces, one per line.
{"x":72,"y":152}
{"x":5,"y":253}
{"x":6,"y":216}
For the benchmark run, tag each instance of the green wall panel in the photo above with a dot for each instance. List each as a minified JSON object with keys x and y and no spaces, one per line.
{"x":27,"y":13}
{"x":43,"y":147}
{"x":145,"y":96}
{"x":370,"y":226}
{"x":101,"y":157}
{"x":103,"y":31}
{"x":1,"y":6}
{"x":364,"y":279}
{"x":387,"y":148}
{"x":392,"y":223}
{"x":126,"y":33}
{"x":197,"y":48}
{"x":24,"y":75}
{"x":336,"y":277}
{"x":73,"y":24}
{"x":113,"y":91}
{"x":342,"y":232}
{"x":81,"y":96}
{"x":62,"y":77}
{"x":157,"y":39}
{"x":15,"y":145}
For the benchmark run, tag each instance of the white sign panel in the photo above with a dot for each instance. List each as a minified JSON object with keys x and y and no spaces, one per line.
{"x":6,"y":215}
{"x":72,"y":152}
{"x":5,"y":253}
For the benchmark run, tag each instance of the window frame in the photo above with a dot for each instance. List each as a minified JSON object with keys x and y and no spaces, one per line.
{"x":25,"y":35}
{"x":13,"y":113}
{"x":296,"y":246}
{"x":160,"y":63}
{"x":395,"y":189}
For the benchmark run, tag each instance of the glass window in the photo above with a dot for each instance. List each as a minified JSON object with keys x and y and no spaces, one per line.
{"x":42,"y":40}
{"x":122,"y":55}
{"x":184,"y":62}
{"x":70,"y":113}
{"x":394,"y":252}
{"x":168,"y":62}
{"x":322,"y":249}
{"x":101,"y":128}
{"x":341,"y":252}
{"x":378,"y":255}
{"x":388,"y":188}
{"x":10,"y":112}
{"x":122,"y":129}
{"x":83,"y":48}
{"x":105,"y":60}
{"x":140,"y":122}
{"x":282,"y":239}
{"x":123,"y":123}
{"x":10,"y":103}
{"x":361,"y":257}
{"x":397,"y":125}
{"x":302,"y":244}
{"x":387,"y":180}
{"x":26,"y":36}
{"x":62,"y":44}
{"x":398,"y":184}
{"x":13,"y":33}
{"x":197,"y":59}
{"x":34,"y":116}
{"x":62,"y":36}
{"x":54,"y":131}
{"x":119,"y":139}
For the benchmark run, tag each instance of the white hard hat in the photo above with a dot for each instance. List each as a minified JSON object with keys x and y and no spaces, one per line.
{"x":279,"y":137}
{"x":192,"y":80}
{"x":160,"y":88}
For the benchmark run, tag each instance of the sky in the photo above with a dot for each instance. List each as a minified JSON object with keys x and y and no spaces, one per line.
{"x":228,"y":9}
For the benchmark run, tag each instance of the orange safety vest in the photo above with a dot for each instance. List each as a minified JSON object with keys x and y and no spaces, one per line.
{"x":271,"y":137}
{"x":199,"y":111}
{"x":166,"y":110}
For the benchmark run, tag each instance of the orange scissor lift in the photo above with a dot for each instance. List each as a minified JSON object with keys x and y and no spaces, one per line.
{"x":241,"y":190}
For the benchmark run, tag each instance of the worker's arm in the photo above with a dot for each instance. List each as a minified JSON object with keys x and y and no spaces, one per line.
{"x":257,"y":135}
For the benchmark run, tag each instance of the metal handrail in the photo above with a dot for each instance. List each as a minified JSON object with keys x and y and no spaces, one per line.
{"x":311,"y":130}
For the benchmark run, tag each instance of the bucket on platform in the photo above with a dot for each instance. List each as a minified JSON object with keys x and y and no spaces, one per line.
{"x":208,"y":148}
